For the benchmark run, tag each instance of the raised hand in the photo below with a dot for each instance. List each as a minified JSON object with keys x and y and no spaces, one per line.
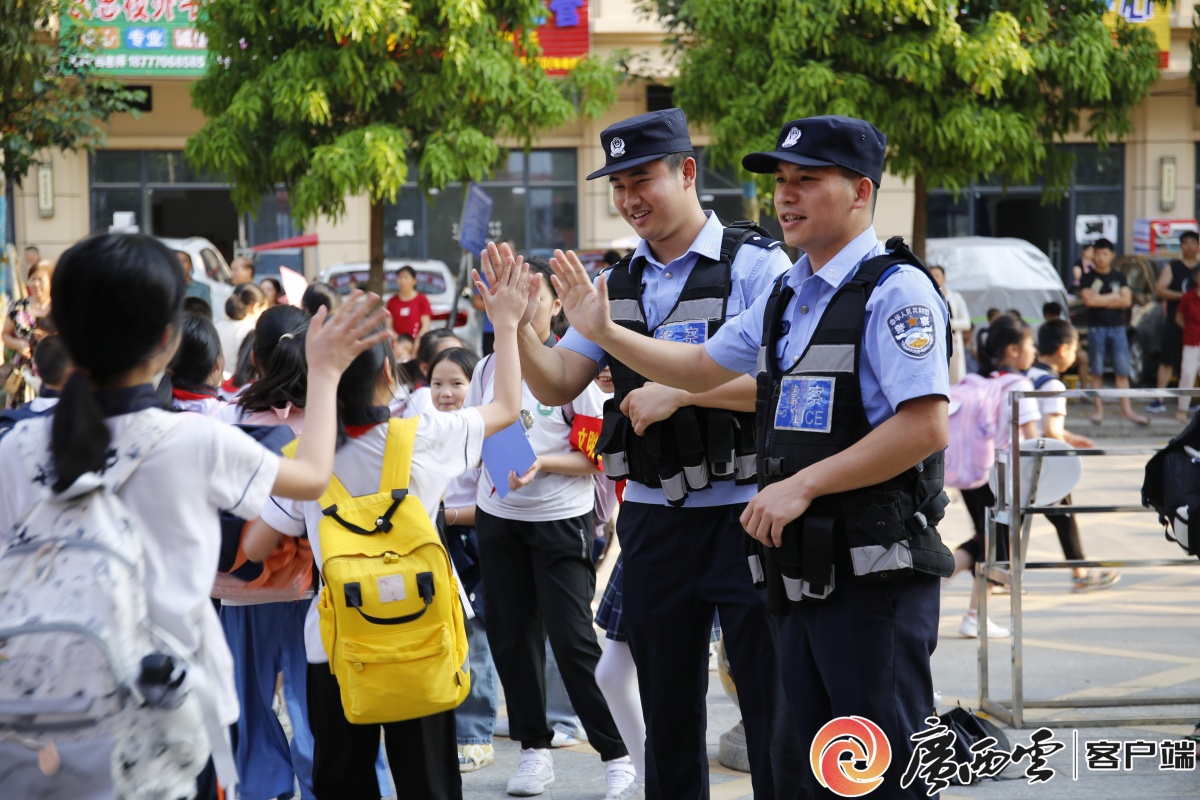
{"x":492,"y":259}
{"x":333,"y":342}
{"x":585,"y":305}
{"x":505,"y":297}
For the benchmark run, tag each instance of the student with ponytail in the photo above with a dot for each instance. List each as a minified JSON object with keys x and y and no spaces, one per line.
{"x":1005,"y":353}
{"x":195,"y":466}
{"x":192,"y":378}
{"x":422,"y":752}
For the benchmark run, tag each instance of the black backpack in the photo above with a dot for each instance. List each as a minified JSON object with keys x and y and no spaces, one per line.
{"x":1172,"y":487}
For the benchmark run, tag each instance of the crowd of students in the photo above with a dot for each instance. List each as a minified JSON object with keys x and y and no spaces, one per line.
{"x":328,"y":378}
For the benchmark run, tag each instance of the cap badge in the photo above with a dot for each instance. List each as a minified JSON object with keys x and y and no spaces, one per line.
{"x":617,"y":147}
{"x":792,"y":137}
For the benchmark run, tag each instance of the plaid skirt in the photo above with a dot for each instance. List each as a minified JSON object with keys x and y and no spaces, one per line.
{"x":608,"y":616}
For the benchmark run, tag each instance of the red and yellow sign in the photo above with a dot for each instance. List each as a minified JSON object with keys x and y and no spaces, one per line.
{"x":1144,"y":12}
{"x":564,"y":36}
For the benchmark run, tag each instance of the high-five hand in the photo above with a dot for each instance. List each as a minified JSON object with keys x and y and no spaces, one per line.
{"x":585,"y":305}
{"x":491,"y":259}
{"x":506,"y":293}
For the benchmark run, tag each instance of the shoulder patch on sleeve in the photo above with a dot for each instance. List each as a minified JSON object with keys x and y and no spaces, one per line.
{"x":913,"y":330}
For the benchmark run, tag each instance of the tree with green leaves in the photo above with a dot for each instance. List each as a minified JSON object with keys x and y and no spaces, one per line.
{"x":332,"y":98}
{"x":962,"y":90}
{"x":50,"y":97}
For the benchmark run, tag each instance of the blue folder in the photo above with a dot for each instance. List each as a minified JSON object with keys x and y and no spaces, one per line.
{"x":507,"y":451}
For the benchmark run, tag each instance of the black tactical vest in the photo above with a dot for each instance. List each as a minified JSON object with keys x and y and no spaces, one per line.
{"x":877,"y":533}
{"x":695,"y":445}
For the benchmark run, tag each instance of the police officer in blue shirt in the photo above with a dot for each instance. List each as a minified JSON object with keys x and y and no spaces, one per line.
{"x":689,"y":458}
{"x":850,"y":350}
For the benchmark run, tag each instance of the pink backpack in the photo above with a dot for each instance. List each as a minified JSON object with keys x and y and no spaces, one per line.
{"x":976,"y":409}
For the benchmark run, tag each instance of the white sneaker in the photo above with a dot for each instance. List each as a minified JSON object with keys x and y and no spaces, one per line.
{"x":533,"y":775}
{"x":564,"y":739}
{"x":621,"y":778}
{"x":969,"y":628}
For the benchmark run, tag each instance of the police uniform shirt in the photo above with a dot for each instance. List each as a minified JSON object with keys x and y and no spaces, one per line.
{"x":753,"y":272}
{"x":894,"y":365}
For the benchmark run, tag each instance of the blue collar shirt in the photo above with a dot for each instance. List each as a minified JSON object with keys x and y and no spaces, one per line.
{"x":753,"y":272}
{"x":888,"y":373}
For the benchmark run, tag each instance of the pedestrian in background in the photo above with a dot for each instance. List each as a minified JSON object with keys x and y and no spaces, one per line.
{"x":410,"y":309}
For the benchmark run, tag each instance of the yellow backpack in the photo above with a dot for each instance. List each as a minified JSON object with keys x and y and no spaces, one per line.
{"x":391,"y":620}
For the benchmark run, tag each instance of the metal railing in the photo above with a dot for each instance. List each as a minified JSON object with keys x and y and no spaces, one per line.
{"x":1018,"y":517}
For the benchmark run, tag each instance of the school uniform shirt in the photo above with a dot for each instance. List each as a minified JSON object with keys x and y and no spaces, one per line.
{"x":890,"y":370}
{"x":462,"y":490}
{"x":1047,"y":406}
{"x":413,"y":403}
{"x":1028,"y":410}
{"x":197,"y":469}
{"x":231,"y":332}
{"x":447,"y":444}
{"x":548,"y":496}
{"x":753,"y":272}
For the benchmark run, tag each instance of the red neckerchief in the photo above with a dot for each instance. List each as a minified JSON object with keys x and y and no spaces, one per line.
{"x":356,"y":431}
{"x":229,"y":388}
{"x":195,"y":393}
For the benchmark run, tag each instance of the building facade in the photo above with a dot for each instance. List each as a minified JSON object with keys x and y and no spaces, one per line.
{"x":541,"y":198}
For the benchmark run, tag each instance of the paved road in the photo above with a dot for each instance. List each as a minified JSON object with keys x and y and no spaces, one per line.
{"x":1140,"y":638}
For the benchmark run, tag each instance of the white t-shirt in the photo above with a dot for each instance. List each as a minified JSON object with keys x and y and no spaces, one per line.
{"x":447,"y":444}
{"x":412,"y":404}
{"x":231,"y":332}
{"x":1027,"y":408}
{"x":199,"y":468}
{"x":1047,"y":406}
{"x":548,"y":496}
{"x":463,"y":489}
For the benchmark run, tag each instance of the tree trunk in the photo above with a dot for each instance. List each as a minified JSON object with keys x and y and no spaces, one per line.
{"x":375,"y":281}
{"x":920,"y":215}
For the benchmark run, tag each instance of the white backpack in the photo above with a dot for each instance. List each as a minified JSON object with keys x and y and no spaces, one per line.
{"x":74,"y":629}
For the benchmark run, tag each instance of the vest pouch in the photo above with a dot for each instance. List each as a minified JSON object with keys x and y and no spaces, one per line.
{"x":745,"y":452}
{"x":685,"y":425}
{"x":929,"y":553}
{"x":659,"y":462}
{"x":611,"y":444}
{"x":721,"y":439}
{"x":878,"y":539}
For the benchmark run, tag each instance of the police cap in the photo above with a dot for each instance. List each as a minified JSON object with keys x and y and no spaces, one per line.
{"x":643,"y":138}
{"x":828,"y":141}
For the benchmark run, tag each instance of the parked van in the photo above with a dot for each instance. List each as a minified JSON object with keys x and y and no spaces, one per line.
{"x":208,"y":267}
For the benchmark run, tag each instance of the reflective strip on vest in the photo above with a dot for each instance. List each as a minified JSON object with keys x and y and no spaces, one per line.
{"x":701,"y":309}
{"x":762,"y":359}
{"x":756,"y":570}
{"x":697,"y":476}
{"x":625,"y":310}
{"x":745,"y":467}
{"x":827,"y":358}
{"x":874,"y":558}
{"x":798,"y":589}
{"x":616,"y":466}
{"x":674,"y":488}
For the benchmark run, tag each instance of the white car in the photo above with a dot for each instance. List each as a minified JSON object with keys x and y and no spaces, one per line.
{"x":434,"y":280}
{"x":208,"y":268}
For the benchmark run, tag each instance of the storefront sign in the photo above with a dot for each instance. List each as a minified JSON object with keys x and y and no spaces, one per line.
{"x":1090,"y":227}
{"x":1144,"y":12}
{"x":155,"y":38}
{"x":1159,"y":236}
{"x":564,"y":36}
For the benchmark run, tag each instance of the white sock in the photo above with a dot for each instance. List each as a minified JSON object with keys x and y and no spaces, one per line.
{"x":617,"y":678}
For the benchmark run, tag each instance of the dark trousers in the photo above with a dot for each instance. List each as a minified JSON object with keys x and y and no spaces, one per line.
{"x":538,"y":581}
{"x":864,"y":652}
{"x":977,"y":502}
{"x":1068,"y":532}
{"x":681,"y":564}
{"x":422,"y":753}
